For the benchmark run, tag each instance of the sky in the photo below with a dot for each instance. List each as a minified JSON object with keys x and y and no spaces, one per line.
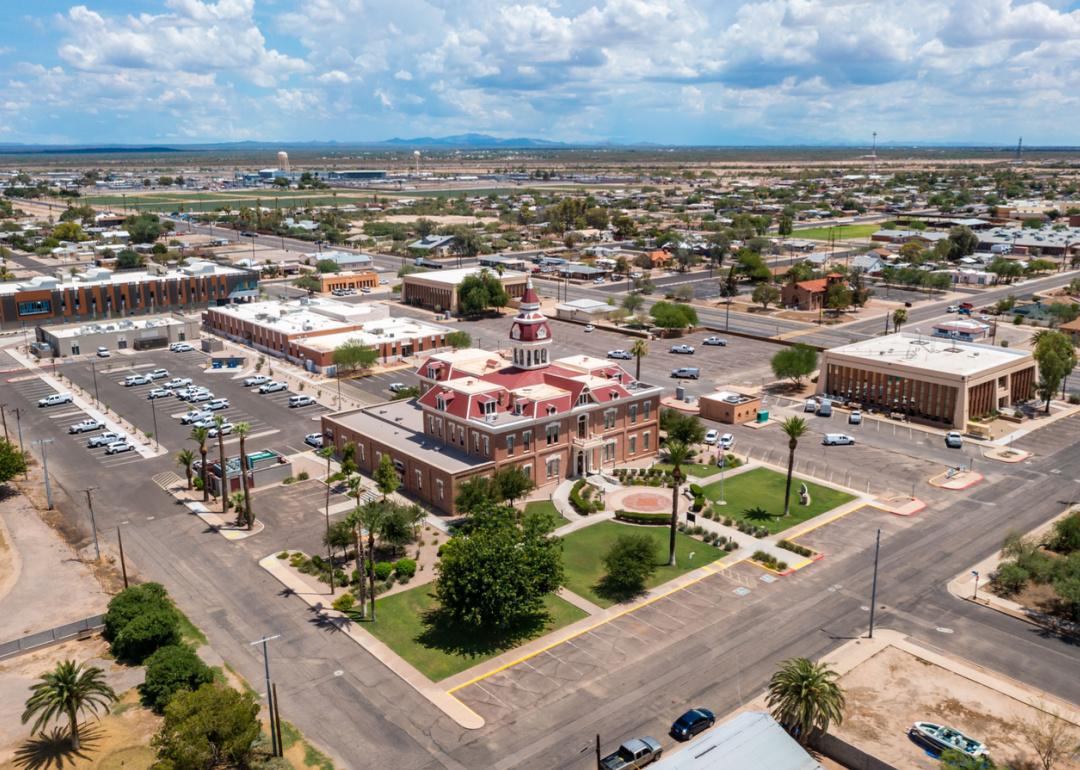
{"x":702,"y":72}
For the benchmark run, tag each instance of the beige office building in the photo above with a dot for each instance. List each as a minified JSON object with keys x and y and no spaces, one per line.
{"x":934,"y":380}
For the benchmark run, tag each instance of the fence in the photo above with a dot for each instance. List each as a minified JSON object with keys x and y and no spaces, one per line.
{"x":77,"y":629}
{"x":846,"y":754}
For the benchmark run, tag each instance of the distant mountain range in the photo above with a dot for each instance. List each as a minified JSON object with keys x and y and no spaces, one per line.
{"x":475,"y":141}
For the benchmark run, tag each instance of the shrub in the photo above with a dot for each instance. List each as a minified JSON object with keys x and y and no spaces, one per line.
{"x":730,"y":546}
{"x":130,"y":603}
{"x":1066,"y":536}
{"x":170,"y":669}
{"x":696,"y":490}
{"x":302,"y":476}
{"x":578,"y":501}
{"x":344,"y":603}
{"x":1074,"y":398}
{"x":405,"y":568}
{"x":770,"y":561}
{"x":383,"y":569}
{"x":1009,"y":578}
{"x":147,"y":633}
{"x":698,"y":504}
{"x":288,"y":480}
{"x":634,"y":517}
{"x":802,"y":550}
{"x":283,"y":555}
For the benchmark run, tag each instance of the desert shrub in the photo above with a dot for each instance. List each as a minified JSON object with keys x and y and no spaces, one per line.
{"x":1009,"y":578}
{"x":153,"y":629}
{"x":170,"y":669}
{"x":405,"y":568}
{"x":130,"y":603}
{"x":344,"y":603}
{"x":383,"y":570}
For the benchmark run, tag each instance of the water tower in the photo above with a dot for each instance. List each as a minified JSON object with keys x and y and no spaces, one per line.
{"x":283,"y":161}
{"x":416,"y":157}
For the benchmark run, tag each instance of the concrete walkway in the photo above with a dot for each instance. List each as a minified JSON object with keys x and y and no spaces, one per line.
{"x":560,"y":498}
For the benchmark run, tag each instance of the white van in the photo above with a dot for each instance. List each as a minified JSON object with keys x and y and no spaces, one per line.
{"x":837,"y":439}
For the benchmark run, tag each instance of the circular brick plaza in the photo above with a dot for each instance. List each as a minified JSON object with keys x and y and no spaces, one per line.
{"x":640,"y":500}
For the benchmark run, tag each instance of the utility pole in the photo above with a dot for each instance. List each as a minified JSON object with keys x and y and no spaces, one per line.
{"x":153,"y":411}
{"x":93,"y":371}
{"x":598,"y":765}
{"x":18,"y":426}
{"x":123,"y":564}
{"x":45,"y":468}
{"x":93,"y":521}
{"x":269,"y":688}
{"x":873,"y":587}
{"x":3,"y":416}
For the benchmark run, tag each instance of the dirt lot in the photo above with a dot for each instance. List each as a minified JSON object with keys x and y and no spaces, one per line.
{"x":894,"y":689}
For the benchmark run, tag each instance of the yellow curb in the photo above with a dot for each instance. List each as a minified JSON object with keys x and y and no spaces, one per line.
{"x":709,"y":569}
{"x":817,"y":524}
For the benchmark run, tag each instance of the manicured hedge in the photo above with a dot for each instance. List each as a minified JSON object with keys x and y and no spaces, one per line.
{"x":634,"y":517}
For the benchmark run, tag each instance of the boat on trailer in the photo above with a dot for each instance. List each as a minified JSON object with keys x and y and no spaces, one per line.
{"x":943,"y":738}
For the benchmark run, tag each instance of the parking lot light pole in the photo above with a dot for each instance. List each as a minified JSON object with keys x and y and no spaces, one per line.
{"x":93,"y":371}
{"x":18,"y":427}
{"x":3,"y":417}
{"x":975,"y":595}
{"x":93,"y":521}
{"x":45,"y":467}
{"x":153,"y":411}
{"x":269,"y":690}
{"x":873,"y":586}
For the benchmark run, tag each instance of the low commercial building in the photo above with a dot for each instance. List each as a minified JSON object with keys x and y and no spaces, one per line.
{"x":99,"y":293}
{"x":944,"y":382}
{"x":329,"y":282}
{"x":438,"y":290}
{"x":346,"y":260}
{"x":144,"y":333}
{"x":808,"y":295}
{"x":307,"y":331}
{"x":729,"y":407}
{"x":752,"y":740}
{"x":962,"y":329}
{"x":584,"y":310}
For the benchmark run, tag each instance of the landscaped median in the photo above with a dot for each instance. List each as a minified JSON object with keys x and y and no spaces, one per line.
{"x":763,"y":489}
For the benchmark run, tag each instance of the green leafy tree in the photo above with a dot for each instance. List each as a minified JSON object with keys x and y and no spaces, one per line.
{"x":678,"y":454}
{"x":129,"y":604}
{"x":673,"y":316}
{"x":805,"y":698}
{"x":352,"y":356}
{"x":952,"y":759}
{"x":169,"y":670}
{"x":1056,"y":357}
{"x":499,"y":573}
{"x":467,"y":242}
{"x":328,"y":266}
{"x":794,"y":363}
{"x":765,"y":294}
{"x":370,"y":517}
{"x":145,"y":228}
{"x":66,"y":692}
{"x":512,"y":483}
{"x":794,"y":428}
{"x":1006,"y":270}
{"x":424,"y":227}
{"x":458,"y":339}
{"x":308,"y":283}
{"x":479,"y":293}
{"x":1066,"y":534}
{"x":212,"y":726}
{"x":629,"y":562}
{"x":386,"y":476}
{"x":684,"y":428}
{"x":12,"y":461}
{"x":838,"y":297}
{"x":752,"y":265}
{"x":146,"y":633}
{"x":633,"y":303}
{"x":129,"y":259}
{"x":962,"y":242}
{"x":68,"y":231}
{"x":475,"y":494}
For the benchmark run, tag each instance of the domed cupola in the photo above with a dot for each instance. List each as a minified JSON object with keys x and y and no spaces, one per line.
{"x":530,"y":332}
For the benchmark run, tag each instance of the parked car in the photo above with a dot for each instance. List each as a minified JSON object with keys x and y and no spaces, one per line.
{"x":181,"y":347}
{"x":590,"y":328}
{"x":633,"y":754}
{"x":683,"y":349}
{"x":712,"y":437}
{"x":686,"y":373}
{"x":691,"y":723}
{"x":255,"y":379}
{"x":205,"y":422}
{"x":178,"y":382}
{"x":224,"y":429}
{"x":195,"y":415}
{"x":397,"y":387}
{"x":295,"y":401}
{"x":201,"y":395}
{"x":810,"y":405}
{"x":623,"y":355}
{"x":837,"y":439}
{"x":103,"y":439}
{"x":55,"y":399}
{"x":117,"y":447}
{"x":727,"y":441}
{"x":954,"y":439}
{"x":598,"y":280}
{"x":952,"y":309}
{"x":158,"y":393}
{"x":314,"y":439}
{"x":272,"y":387}
{"x":102,"y":352}
{"x":158,"y":374}
{"x":217,"y":403}
{"x":85,"y":426}
{"x":824,"y":408}
{"x":718,"y":341}
{"x":136,"y":379}
{"x":855,"y":418}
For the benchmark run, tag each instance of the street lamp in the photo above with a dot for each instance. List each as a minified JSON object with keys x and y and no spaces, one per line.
{"x":975,"y":595}
{"x":274,"y":738}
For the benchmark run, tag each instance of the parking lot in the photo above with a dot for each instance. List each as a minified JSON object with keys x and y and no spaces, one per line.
{"x":267,"y":414}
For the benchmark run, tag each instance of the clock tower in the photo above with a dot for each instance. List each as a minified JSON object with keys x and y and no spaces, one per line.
{"x":530,"y":333}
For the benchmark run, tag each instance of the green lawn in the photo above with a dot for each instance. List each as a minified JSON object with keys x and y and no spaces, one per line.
{"x":697,"y":470}
{"x":547,"y":509}
{"x":762,"y":487}
{"x":402,"y":622}
{"x":583,"y":552}
{"x":839,"y":232}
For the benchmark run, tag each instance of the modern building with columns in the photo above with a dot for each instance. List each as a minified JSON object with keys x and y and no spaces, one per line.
{"x":480,"y":411}
{"x":929,"y":379}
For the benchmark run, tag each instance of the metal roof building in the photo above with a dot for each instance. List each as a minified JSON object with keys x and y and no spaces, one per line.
{"x":749,"y":741}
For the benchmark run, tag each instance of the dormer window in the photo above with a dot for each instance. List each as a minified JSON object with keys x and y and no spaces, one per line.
{"x":614,"y":395}
{"x":432,"y":373}
{"x":440,"y":403}
{"x":583,"y":399}
{"x":551,"y":409}
{"x":488,"y":407}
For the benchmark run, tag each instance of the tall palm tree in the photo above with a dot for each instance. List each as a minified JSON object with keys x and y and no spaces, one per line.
{"x":795,"y":428}
{"x":899,"y":318}
{"x":639,"y":350}
{"x":199,"y":435}
{"x":354,"y":521}
{"x":218,"y":422}
{"x":371,"y":516}
{"x":185,"y":458}
{"x":678,"y":454}
{"x":67,"y":691}
{"x":241,"y":429}
{"x":805,"y":698}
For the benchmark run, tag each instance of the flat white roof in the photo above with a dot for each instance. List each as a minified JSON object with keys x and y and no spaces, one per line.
{"x":97,"y":276}
{"x":940,"y":356}
{"x":297,"y":316}
{"x":375,"y":333}
{"x":457,"y":275}
{"x":119,"y":325}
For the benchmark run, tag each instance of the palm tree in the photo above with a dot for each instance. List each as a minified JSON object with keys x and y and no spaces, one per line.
{"x":185,"y":458}
{"x":354,"y":521}
{"x":899,"y":318}
{"x":370,"y":516}
{"x":639,"y":350}
{"x":805,"y":698}
{"x":66,"y":691}
{"x":218,"y":422}
{"x":678,"y":454}
{"x":795,"y":428}
{"x":242,"y":429}
{"x":200,"y":435}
